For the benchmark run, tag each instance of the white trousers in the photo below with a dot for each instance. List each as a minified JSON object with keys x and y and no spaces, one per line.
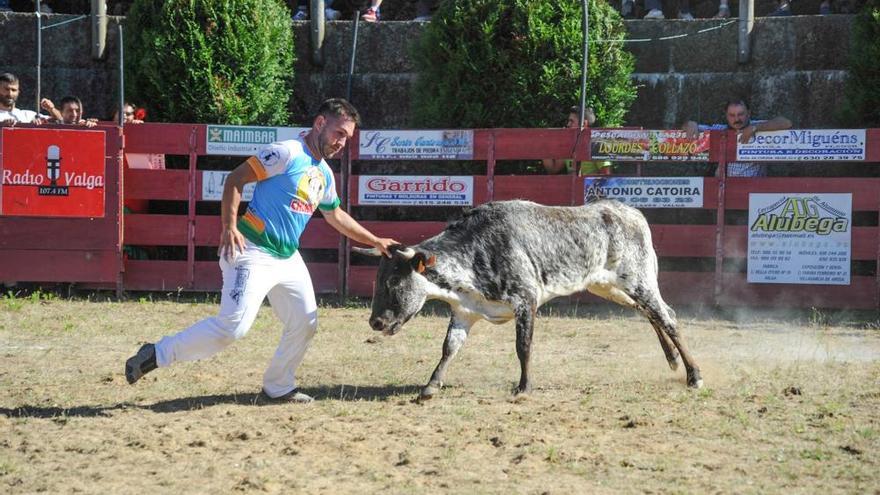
{"x":252,"y":276}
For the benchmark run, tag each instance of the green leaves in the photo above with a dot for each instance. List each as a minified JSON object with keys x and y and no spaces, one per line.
{"x":211,"y":61}
{"x":484,"y":63}
{"x":862,"y":107}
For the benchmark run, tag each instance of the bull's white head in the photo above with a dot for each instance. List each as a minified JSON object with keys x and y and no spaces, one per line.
{"x":401,"y":289}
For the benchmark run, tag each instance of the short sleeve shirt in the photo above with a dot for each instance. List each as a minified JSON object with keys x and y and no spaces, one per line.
{"x":291,"y":185}
{"x":18,"y":115}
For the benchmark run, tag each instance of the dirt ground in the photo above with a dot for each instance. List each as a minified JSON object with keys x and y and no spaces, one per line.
{"x":789,"y":406}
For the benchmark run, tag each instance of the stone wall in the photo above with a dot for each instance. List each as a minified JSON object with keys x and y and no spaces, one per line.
{"x":797,"y":69}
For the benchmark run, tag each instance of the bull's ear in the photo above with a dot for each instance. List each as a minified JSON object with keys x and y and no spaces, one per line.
{"x":422,"y":260}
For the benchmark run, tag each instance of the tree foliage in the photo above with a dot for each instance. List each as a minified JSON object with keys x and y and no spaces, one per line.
{"x":862,"y":107}
{"x":211,"y":61}
{"x":517,"y":63}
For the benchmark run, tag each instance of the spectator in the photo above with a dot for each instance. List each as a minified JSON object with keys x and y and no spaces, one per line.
{"x":739,"y":118}
{"x":566,"y":166}
{"x":302,"y":11}
{"x":130,"y":113}
{"x":423,"y":11}
{"x":783,"y":8}
{"x":71,"y":111}
{"x":9,"y":115}
{"x":372,"y":13}
{"x":723,"y":10}
{"x":655,"y":10}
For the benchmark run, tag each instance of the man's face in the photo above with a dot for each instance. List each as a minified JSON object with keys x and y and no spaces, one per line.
{"x":737,"y":116}
{"x":71,"y":113}
{"x":573,"y":121}
{"x":8,"y":95}
{"x":333,"y":133}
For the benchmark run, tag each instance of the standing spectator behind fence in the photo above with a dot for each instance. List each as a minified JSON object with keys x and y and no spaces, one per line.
{"x":655,"y":9}
{"x":71,"y":112}
{"x":131,"y":114}
{"x":566,"y":166}
{"x":9,"y":115}
{"x":739,"y":119}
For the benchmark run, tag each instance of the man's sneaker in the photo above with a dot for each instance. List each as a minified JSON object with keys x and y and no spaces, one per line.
{"x":685,"y":16}
{"x":371,"y":15}
{"x":723,"y":12}
{"x":301,"y":15}
{"x":141,"y":363}
{"x":294,"y":396}
{"x":423,"y":18}
{"x":332,"y":14}
{"x":655,"y":14}
{"x":783,"y":10}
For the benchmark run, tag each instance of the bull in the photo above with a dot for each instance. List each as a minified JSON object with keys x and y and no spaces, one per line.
{"x":502,"y":260}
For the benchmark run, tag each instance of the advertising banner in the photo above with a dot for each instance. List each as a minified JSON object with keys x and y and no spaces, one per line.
{"x":416,"y":190}
{"x":647,"y":192}
{"x":800,"y":238}
{"x":240,"y":140}
{"x":455,"y":144}
{"x":805,"y":145}
{"x":643,"y":145}
{"x":52,"y":173}
{"x":213,"y":182}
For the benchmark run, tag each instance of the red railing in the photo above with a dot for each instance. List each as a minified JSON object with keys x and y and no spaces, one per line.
{"x":722,"y":243}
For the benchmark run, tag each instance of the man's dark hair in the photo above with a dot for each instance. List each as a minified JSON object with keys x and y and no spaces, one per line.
{"x":8,"y":78}
{"x":736,"y":101}
{"x":339,"y":107}
{"x":589,"y":115}
{"x":69,"y":99}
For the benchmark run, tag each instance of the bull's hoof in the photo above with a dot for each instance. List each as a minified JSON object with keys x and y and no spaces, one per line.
{"x":522,"y":390}
{"x":428,"y":393}
{"x":673,"y":364}
{"x":694,"y":381}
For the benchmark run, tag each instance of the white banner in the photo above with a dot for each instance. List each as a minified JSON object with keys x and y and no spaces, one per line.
{"x":416,"y":190}
{"x":457,"y":144}
{"x":240,"y":140}
{"x":212,"y":186}
{"x":800,"y":238}
{"x":804,"y":145}
{"x":647,"y":192}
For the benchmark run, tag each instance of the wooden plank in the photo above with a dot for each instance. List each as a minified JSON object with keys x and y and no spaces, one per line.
{"x":864,"y":242}
{"x":58,"y":233}
{"x":155,"y":230}
{"x":318,"y":234}
{"x":408,"y":233}
{"x":157,"y":184}
{"x":687,"y":288}
{"x":552,"y":190}
{"x":208,"y":276}
{"x":684,"y":240}
{"x":534,"y":144}
{"x":155,"y":275}
{"x":53,"y":265}
{"x":872,"y":153}
{"x":172,"y":139}
{"x":860,"y":294}
{"x":361,"y":280}
{"x":863,"y":189}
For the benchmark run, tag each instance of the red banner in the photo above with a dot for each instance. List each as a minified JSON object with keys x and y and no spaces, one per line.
{"x":52,"y":173}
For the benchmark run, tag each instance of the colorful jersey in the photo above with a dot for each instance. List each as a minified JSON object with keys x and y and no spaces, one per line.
{"x":291,"y":184}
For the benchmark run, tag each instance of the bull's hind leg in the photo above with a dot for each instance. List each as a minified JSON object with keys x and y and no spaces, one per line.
{"x":616,"y":295}
{"x":456,"y":334}
{"x":525,"y":326}
{"x":662,"y":318}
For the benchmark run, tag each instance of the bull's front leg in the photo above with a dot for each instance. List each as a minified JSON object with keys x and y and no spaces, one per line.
{"x":525,"y":325}
{"x":456,"y":334}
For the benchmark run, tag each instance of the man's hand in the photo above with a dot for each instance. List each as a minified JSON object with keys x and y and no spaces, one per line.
{"x":47,"y":105}
{"x":8,"y":122}
{"x":747,"y":133}
{"x":384,"y":244}
{"x":691,"y":129}
{"x":231,"y":244}
{"x":88,"y":123}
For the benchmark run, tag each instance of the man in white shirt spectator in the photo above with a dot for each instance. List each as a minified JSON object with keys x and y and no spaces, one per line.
{"x":739,"y":118}
{"x":9,"y":115}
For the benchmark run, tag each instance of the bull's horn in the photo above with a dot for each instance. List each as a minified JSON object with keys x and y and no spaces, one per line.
{"x":367,"y":251}
{"x":407,"y":253}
